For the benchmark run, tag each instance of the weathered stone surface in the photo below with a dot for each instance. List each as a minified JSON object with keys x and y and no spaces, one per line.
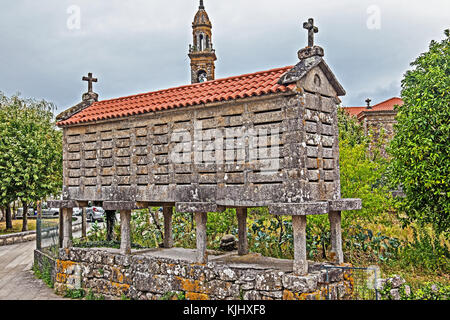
{"x":269,"y":281}
{"x":150,"y":277}
{"x":395,"y":294}
{"x":396,"y":281}
{"x":228,"y":243}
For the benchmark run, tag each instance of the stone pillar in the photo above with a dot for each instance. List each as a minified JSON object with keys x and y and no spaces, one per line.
{"x":61,"y":228}
{"x":242,"y":231}
{"x":83,"y":223}
{"x":336,"y":236}
{"x":200,"y":220}
{"x":110,"y":218}
{"x":299,"y":231}
{"x":125,"y":231}
{"x":67,"y":227}
{"x":168,"y":237}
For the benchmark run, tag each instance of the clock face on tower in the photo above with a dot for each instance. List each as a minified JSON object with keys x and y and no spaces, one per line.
{"x":202,"y":77}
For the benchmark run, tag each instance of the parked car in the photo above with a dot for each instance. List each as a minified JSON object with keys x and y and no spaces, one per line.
{"x":30,"y":212}
{"x":77,"y":211}
{"x":49,"y":212}
{"x":95,"y":214}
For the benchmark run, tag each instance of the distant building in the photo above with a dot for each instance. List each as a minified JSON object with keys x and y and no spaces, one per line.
{"x":381,"y":115}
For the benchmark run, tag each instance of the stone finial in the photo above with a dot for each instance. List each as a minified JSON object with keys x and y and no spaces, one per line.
{"x":368,"y":101}
{"x":90,"y":95}
{"x":202,"y":6}
{"x":311,"y":50}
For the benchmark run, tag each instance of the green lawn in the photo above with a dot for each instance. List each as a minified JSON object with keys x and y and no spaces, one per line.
{"x":17,"y":225}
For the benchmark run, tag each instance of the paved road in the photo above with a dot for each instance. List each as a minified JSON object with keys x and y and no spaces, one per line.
{"x":17,"y":281}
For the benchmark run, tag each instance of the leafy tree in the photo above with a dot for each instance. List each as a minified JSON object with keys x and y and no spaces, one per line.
{"x":362,"y":168}
{"x":30,"y":152}
{"x":420,"y":148}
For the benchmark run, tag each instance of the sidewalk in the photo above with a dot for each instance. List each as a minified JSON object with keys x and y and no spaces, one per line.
{"x":17,"y":281}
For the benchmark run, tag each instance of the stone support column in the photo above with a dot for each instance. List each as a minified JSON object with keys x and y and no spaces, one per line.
{"x":125,"y":231}
{"x":242,"y":231}
{"x":200,"y":220}
{"x":299,"y":230}
{"x":336,"y":236}
{"x":110,"y":219}
{"x":168,"y":237}
{"x":67,"y":227}
{"x":61,"y":228}
{"x":83,"y":223}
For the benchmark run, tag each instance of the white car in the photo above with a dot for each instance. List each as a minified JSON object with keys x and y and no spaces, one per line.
{"x":95,"y":214}
{"x":77,"y":211}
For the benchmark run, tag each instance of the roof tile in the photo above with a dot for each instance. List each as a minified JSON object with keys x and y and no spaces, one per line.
{"x":247,"y":85}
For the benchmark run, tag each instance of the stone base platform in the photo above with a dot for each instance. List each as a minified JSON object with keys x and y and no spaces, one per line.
{"x":156,"y":273}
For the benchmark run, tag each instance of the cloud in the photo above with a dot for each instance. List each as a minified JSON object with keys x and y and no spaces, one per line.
{"x":138,"y":46}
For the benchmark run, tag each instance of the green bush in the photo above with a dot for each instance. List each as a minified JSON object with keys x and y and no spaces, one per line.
{"x":75,"y":293}
{"x":425,"y":252}
{"x":363,"y":171}
{"x":427,"y":291}
{"x":364,"y":243}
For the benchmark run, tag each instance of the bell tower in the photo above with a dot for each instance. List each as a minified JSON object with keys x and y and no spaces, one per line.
{"x":201,"y":52}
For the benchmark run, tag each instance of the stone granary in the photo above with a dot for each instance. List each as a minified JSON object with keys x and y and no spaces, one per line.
{"x":266,"y":139}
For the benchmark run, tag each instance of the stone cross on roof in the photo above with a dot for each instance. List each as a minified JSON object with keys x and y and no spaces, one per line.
{"x":90,"y":79}
{"x":311,"y":30}
{"x":368,"y":101}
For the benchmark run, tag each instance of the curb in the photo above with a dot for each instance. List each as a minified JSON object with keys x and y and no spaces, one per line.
{"x":20,"y":237}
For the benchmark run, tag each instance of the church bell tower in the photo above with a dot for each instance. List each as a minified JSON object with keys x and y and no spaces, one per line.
{"x":201,"y":52}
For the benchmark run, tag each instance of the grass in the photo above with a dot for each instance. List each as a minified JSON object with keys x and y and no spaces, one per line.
{"x":17,"y":225}
{"x":409,"y":264}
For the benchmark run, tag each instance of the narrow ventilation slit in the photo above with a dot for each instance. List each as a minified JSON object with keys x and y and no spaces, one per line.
{"x":268,"y":111}
{"x":268,"y":183}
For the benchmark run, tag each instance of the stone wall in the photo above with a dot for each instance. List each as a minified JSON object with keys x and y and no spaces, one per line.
{"x":45,"y":263}
{"x":144,"y":277}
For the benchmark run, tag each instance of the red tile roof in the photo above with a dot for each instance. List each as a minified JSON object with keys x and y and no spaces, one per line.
{"x":247,"y":85}
{"x":387,"y":105}
{"x":354,"y":111}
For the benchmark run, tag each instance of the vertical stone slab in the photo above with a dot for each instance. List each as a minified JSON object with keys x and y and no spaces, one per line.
{"x":299,"y":229}
{"x":38,"y":233}
{"x":242,"y":231}
{"x":110,"y":217}
{"x":67,"y":227}
{"x":61,"y":229}
{"x":125,"y":231}
{"x":83,"y":223}
{"x":168,"y":237}
{"x":200,"y":220}
{"x":336,"y":236}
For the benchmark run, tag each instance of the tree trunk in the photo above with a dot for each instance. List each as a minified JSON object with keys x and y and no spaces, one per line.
{"x":14,"y":210}
{"x":25,"y":218}
{"x":2,"y":210}
{"x":9,"y":225}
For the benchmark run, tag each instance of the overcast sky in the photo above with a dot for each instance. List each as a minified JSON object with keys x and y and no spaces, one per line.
{"x":138,"y":46}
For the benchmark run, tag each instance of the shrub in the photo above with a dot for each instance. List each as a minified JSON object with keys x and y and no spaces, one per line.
{"x":425,"y":252}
